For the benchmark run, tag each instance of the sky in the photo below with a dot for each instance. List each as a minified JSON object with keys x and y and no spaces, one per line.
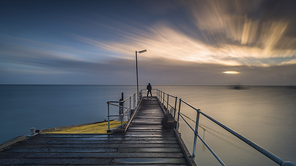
{"x":190,"y":42}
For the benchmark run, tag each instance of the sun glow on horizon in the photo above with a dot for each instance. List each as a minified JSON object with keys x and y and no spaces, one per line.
{"x":231,"y":72}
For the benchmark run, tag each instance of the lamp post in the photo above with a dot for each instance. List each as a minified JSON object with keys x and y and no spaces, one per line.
{"x":137,"y":67}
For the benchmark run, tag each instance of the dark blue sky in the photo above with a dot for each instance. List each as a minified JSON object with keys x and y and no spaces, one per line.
{"x":188,"y":42}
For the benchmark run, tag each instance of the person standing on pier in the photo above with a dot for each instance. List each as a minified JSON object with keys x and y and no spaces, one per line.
{"x":149,"y":88}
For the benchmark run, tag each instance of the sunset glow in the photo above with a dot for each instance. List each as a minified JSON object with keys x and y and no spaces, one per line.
{"x":231,"y":72}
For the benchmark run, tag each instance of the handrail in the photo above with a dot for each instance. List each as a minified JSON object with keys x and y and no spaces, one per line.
{"x":247,"y":141}
{"x":134,"y":102}
{"x":268,"y":154}
{"x":164,"y":99}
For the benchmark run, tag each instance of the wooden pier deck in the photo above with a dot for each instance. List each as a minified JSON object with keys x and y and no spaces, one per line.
{"x":146,"y":142}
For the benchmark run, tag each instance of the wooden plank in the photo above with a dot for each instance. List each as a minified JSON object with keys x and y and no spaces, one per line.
{"x":79,"y":136}
{"x":149,"y":155}
{"x":150,"y":150}
{"x":62,"y":150}
{"x":151,"y":145}
{"x":149,"y":142}
{"x":12,"y":141}
{"x":72,"y":142}
{"x":54,"y":161}
{"x":149,"y":161}
{"x":103,"y":139}
{"x":90,"y":155}
{"x":145,"y":117}
{"x":147,"y":121}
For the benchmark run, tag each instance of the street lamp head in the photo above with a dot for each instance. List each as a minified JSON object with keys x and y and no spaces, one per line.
{"x":142,"y":51}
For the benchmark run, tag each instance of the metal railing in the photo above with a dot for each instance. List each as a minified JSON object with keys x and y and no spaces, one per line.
{"x":126,"y":107}
{"x":169,"y":102}
{"x":271,"y":156}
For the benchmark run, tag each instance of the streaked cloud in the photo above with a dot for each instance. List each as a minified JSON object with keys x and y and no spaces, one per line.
{"x":188,"y":42}
{"x":236,"y":38}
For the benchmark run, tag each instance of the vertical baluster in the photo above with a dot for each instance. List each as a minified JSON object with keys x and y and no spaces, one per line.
{"x":122,"y":118}
{"x":180,"y":101}
{"x":134,"y":101}
{"x":130,"y":108}
{"x":163,"y":98}
{"x":108,"y":117}
{"x":168,"y":103}
{"x":121,"y":109}
{"x":175,"y":108}
{"x":196,"y":131}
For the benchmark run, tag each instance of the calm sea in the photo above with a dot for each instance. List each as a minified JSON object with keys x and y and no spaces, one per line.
{"x":265,"y":115}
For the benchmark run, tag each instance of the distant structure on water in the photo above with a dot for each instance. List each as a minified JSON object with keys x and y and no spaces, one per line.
{"x":237,"y":87}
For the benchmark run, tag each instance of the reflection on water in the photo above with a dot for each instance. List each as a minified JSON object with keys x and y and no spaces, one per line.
{"x":265,"y":115}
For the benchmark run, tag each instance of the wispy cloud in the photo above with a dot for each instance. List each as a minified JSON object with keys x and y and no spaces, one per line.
{"x":26,"y":56}
{"x":236,"y":38}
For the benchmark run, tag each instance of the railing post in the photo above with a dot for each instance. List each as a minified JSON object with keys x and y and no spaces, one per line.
{"x":168,"y":103}
{"x":122,"y":117}
{"x":158,"y":94}
{"x":180,"y":101}
{"x":163,"y":98}
{"x":108,"y":117}
{"x":134,"y":102}
{"x":138,"y":97}
{"x":121,"y":109}
{"x":175,"y":107}
{"x":130,"y":107}
{"x":195,"y":132}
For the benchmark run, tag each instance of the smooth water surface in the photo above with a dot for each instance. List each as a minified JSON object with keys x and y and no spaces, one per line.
{"x":23,"y":107}
{"x":265,"y":115}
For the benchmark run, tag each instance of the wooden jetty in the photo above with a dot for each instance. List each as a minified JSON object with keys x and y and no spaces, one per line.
{"x":145,"y":142}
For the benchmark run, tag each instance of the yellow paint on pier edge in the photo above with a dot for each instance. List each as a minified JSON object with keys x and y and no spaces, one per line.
{"x":98,"y":128}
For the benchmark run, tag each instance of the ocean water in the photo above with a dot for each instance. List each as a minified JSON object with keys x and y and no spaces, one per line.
{"x":265,"y":115}
{"x":39,"y":106}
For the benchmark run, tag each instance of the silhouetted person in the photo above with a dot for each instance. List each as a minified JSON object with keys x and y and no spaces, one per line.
{"x":149,"y":88}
